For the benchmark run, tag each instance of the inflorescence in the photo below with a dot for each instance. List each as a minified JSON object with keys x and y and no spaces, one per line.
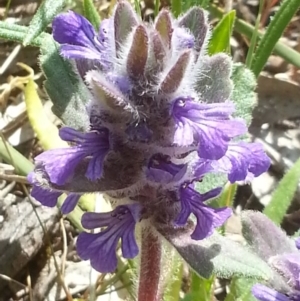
{"x":159,"y":123}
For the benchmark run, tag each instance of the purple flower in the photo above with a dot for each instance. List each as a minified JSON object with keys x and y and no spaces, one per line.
{"x":49,"y":198}
{"x":79,"y":39}
{"x":264,"y":293}
{"x":207,"y":218}
{"x":288,"y":266}
{"x":161,"y":170}
{"x":60,"y":163}
{"x":242,"y":161}
{"x":152,"y":132}
{"x":206,"y":125}
{"x":100,"y":248}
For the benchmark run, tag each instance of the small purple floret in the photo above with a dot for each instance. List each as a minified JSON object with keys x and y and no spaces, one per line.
{"x":61,"y":163}
{"x":243,"y":161}
{"x":207,"y":125}
{"x":78,"y":38}
{"x":163,"y":171}
{"x":207,"y":218}
{"x":49,"y":198}
{"x":100,"y":248}
{"x":263,"y":293}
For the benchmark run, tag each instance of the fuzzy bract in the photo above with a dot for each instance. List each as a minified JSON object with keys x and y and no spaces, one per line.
{"x":160,"y":120}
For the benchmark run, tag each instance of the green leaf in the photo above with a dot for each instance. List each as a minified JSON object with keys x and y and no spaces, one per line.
{"x":91,"y":13}
{"x":240,"y":290}
{"x":254,"y":36}
{"x":17,"y":33}
{"x":264,"y":237}
{"x":42,"y":18}
{"x":286,"y":52}
{"x":243,"y":95}
{"x":10,"y":155}
{"x":64,"y":87}
{"x":227,"y":197}
{"x":201,"y":289}
{"x":216,"y":255}
{"x":176,"y":7}
{"x":283,"y":195}
{"x":137,"y":7}
{"x":273,"y":33}
{"x":220,"y":40}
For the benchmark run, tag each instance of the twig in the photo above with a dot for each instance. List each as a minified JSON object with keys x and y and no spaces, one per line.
{"x":5,"y":191}
{"x":10,"y":58}
{"x":14,"y":178}
{"x":65,"y":247}
{"x":28,"y":280}
{"x":8,"y":279}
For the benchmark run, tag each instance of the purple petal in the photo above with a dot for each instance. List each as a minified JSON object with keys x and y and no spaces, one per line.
{"x":79,"y":52}
{"x":288,"y":265}
{"x":70,"y":203}
{"x":44,"y":196}
{"x":163,"y":171}
{"x":79,"y":39}
{"x":242,"y":160}
{"x":263,"y":293}
{"x":61,"y":163}
{"x":74,"y":29}
{"x":208,"y":125}
{"x":297,"y":241}
{"x":100,"y":248}
{"x":207,"y":218}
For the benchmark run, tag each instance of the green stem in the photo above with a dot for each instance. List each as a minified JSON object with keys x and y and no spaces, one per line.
{"x":286,"y":52}
{"x":254,"y":36}
{"x":150,"y":267}
{"x":273,"y":33}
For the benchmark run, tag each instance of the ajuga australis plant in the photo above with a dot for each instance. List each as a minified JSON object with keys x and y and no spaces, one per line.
{"x":161,"y":119}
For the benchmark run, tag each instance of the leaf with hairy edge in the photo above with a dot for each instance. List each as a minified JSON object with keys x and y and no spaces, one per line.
{"x":267,"y":240}
{"x":220,"y":40}
{"x":283,"y":195}
{"x":90,"y":12}
{"x":64,"y":87}
{"x":243,"y":94}
{"x":216,"y":254}
{"x":42,"y":18}
{"x":17,"y":33}
{"x":264,"y":237}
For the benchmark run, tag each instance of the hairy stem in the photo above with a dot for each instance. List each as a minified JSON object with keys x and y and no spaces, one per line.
{"x":150,"y":267}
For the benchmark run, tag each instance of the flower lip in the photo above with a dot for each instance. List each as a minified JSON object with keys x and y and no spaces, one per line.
{"x":207,"y":218}
{"x":61,"y":163}
{"x":49,"y":198}
{"x":100,"y":248}
{"x":210,"y":126}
